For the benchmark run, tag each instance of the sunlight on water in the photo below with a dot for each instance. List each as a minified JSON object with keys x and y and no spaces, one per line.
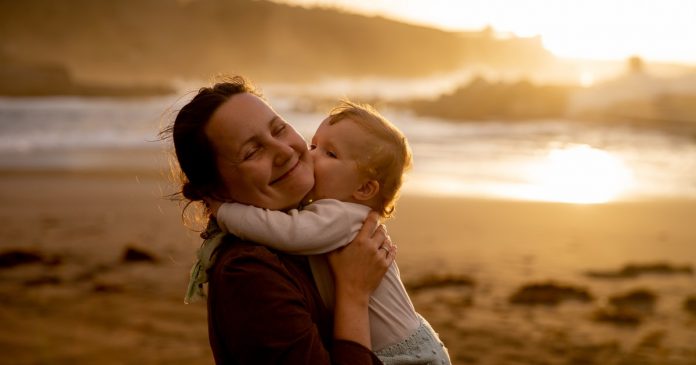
{"x":577,"y":174}
{"x":556,"y":160}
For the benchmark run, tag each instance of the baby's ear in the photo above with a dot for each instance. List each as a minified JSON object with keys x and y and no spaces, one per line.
{"x":367,"y":190}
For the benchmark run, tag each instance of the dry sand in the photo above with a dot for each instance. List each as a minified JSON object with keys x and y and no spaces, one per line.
{"x":81,"y":302}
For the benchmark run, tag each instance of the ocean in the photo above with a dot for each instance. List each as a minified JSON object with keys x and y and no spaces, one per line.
{"x":542,"y":160}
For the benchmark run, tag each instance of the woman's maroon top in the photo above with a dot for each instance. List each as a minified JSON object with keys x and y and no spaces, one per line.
{"x":263,"y":308}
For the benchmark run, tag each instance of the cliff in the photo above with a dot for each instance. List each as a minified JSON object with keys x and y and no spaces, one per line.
{"x":131,"y":41}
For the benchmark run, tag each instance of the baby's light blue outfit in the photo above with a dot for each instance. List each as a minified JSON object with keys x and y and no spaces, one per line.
{"x":422,"y":347}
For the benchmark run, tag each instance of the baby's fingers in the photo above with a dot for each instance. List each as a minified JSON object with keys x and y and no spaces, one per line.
{"x":369,"y":226}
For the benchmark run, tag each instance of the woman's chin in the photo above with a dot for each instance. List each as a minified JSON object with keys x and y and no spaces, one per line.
{"x":301,"y":192}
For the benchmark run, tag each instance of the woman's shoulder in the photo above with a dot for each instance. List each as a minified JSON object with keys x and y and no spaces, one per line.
{"x":242,"y":268}
{"x":241,"y":256}
{"x":237,"y":251}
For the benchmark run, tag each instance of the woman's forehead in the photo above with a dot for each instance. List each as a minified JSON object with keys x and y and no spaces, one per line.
{"x":244,"y":108}
{"x":240,"y":118}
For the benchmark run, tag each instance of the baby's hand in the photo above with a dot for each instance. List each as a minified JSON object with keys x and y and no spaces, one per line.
{"x":212,"y":205}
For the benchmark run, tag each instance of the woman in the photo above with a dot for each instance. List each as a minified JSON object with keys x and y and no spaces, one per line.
{"x":263,"y":306}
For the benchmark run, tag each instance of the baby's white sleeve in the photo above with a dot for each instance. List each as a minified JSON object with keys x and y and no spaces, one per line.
{"x":320,"y":227}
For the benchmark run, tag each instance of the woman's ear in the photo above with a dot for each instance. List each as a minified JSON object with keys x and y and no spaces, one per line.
{"x":367,"y":190}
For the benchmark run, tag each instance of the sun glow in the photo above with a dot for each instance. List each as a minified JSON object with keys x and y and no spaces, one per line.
{"x":661,"y":30}
{"x":587,"y":79}
{"x":578,"y":174}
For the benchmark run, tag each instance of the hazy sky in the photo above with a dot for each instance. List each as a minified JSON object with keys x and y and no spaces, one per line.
{"x":662,"y":30}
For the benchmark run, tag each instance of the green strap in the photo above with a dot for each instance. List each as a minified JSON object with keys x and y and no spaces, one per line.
{"x":199,"y":272}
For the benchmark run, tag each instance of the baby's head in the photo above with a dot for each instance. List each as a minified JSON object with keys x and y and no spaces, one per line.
{"x":360,"y":157}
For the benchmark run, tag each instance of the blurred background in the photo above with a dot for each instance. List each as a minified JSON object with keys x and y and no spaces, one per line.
{"x":545,"y":100}
{"x":557,"y":138}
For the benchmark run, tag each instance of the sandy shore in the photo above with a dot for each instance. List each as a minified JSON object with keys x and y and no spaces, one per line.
{"x":73,"y":298}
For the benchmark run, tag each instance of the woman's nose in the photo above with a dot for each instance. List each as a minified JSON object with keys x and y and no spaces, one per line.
{"x":283,"y":152}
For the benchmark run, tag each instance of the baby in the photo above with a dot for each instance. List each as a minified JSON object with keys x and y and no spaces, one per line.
{"x":359,"y":161}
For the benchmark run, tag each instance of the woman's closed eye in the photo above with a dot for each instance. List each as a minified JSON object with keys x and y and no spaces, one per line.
{"x":250,"y":152}
{"x":278,"y":129}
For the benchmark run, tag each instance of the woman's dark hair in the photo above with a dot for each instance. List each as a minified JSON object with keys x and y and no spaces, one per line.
{"x":194,"y":152}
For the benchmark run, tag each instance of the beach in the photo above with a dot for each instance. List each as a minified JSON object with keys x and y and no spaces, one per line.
{"x":95,"y":265}
{"x":549,"y":217}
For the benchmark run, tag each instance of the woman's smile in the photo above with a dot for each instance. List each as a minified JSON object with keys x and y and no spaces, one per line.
{"x":287,"y":173}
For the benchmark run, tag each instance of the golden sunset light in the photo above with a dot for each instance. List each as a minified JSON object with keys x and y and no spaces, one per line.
{"x":592,"y":29}
{"x":578,"y":174}
{"x":200,"y":182}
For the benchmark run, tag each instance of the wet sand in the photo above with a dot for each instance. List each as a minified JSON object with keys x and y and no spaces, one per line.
{"x":70,"y":295}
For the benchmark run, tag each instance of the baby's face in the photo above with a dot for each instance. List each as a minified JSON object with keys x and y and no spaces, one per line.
{"x":335,"y":149}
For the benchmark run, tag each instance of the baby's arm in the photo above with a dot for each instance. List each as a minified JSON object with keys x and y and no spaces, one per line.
{"x":320,"y":227}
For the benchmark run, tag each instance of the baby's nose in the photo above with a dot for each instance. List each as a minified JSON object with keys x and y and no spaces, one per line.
{"x":313,"y":152}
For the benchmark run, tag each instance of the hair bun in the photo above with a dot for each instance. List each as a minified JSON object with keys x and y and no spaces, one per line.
{"x":190,"y":192}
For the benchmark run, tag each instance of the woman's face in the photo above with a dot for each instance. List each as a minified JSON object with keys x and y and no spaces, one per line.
{"x":262,"y":160}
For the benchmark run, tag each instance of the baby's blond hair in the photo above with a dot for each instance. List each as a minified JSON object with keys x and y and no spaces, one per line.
{"x":389,"y":159}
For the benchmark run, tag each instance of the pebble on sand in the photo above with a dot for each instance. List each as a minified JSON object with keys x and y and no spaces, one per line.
{"x":549,"y":293}
{"x":133,"y":254}
{"x":690,"y":304}
{"x":12,"y":258}
{"x":630,"y":271}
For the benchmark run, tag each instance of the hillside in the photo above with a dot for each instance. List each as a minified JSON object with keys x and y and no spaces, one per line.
{"x":484,"y":100}
{"x":130,"y":41}
{"x":47,"y":79}
{"x":636,"y":97}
